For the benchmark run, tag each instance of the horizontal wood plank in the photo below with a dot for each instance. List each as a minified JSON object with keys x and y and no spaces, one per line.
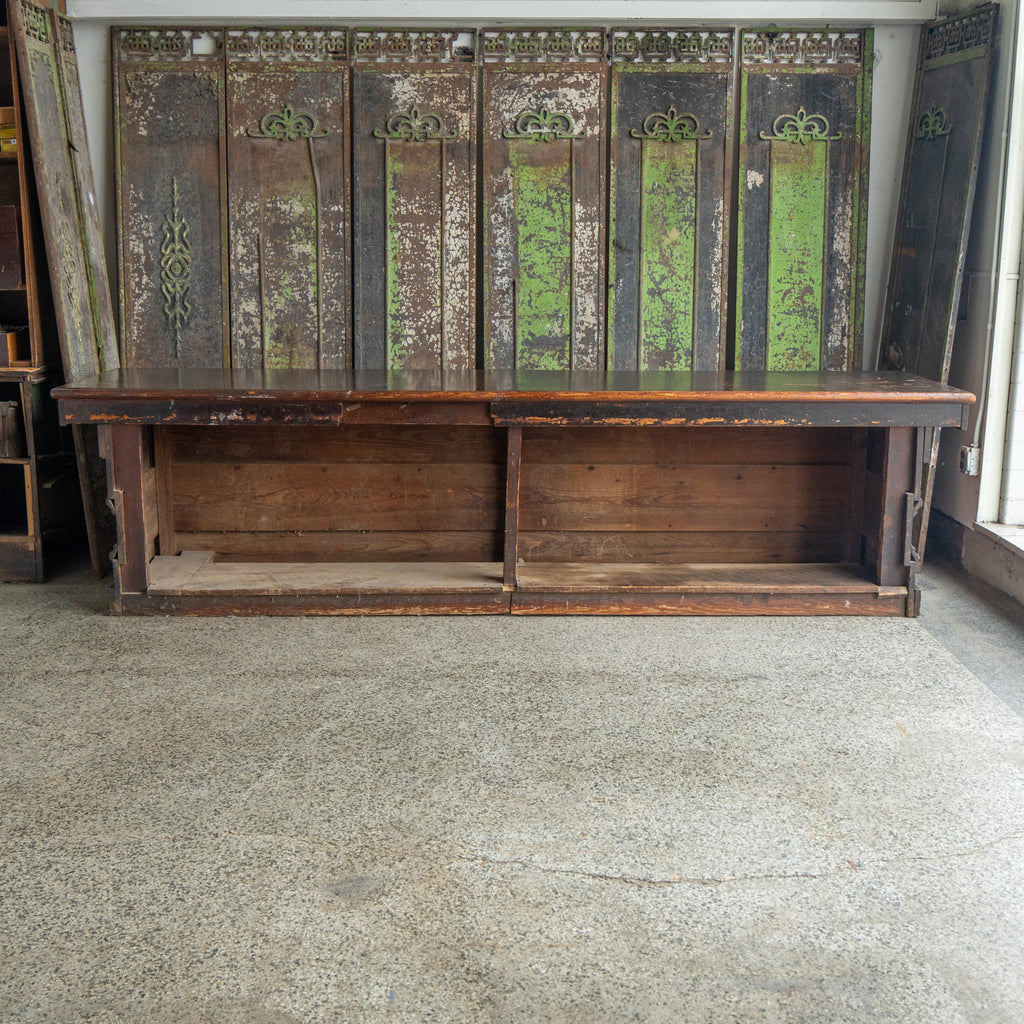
{"x":567,"y":577}
{"x":346,"y":545}
{"x":764,"y":546}
{"x":674,"y":445}
{"x":347,"y":443}
{"x":280,"y":496}
{"x":656,"y":498}
{"x":168,"y":575}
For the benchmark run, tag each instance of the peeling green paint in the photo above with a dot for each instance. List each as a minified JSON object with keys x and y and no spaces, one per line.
{"x":796,"y":259}
{"x":668,"y":255}
{"x":542,"y":191}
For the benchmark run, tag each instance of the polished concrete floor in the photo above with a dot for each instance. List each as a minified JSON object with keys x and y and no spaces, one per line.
{"x":271,"y":821}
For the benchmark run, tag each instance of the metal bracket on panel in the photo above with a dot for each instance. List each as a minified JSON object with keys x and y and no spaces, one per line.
{"x":915,"y":503}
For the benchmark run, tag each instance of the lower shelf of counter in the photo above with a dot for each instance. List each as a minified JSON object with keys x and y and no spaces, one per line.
{"x":194,"y":582}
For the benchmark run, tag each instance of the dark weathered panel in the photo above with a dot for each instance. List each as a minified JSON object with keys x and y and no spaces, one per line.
{"x":60,"y":203}
{"x":172,"y":224}
{"x":670,"y":186}
{"x":802,"y":204}
{"x":939,"y":177}
{"x":414,"y":167}
{"x":287,"y":158}
{"x":940,"y":173}
{"x":544,"y":199}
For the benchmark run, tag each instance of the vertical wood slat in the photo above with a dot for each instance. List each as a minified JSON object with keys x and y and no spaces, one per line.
{"x":288,"y":202}
{"x":802,"y":199}
{"x":129,"y":460}
{"x":898,"y":475}
{"x":170,"y":169}
{"x":544,"y":103}
{"x":670,"y":195}
{"x":513,"y":476}
{"x":414,"y":174}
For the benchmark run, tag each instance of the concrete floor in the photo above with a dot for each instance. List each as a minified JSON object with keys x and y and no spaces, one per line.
{"x":593,"y":820}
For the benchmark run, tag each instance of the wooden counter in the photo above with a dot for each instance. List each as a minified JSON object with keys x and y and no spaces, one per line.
{"x":290,"y":492}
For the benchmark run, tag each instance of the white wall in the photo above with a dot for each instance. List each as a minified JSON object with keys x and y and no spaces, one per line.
{"x":895,"y":54}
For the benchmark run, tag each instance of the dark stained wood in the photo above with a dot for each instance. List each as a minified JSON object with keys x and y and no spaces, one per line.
{"x":130,"y":494}
{"x":670,"y":191}
{"x":940,"y":174}
{"x":802,"y":198}
{"x":169,"y":138}
{"x":223,"y":397}
{"x":637,"y":528}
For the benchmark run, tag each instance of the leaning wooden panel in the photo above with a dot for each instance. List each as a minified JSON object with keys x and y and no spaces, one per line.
{"x":61,"y":205}
{"x":171,"y":196}
{"x":940,"y":173}
{"x":802,"y":204}
{"x":544,"y":103}
{"x":939,"y":178}
{"x":288,"y":205}
{"x":414,"y":154}
{"x":670,"y":183}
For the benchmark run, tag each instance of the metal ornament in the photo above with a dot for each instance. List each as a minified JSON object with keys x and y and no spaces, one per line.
{"x":542,"y":125}
{"x":801,"y":127}
{"x":670,"y":127}
{"x":413,"y":126}
{"x":175,"y":268}
{"x":288,"y":124}
{"x":933,"y":124}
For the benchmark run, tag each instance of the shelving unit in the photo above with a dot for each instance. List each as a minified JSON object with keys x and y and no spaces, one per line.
{"x":40,"y":500}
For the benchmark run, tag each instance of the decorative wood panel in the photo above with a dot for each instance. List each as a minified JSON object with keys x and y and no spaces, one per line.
{"x":670,"y":187}
{"x":80,"y":292}
{"x":544,"y":102}
{"x":802,"y":203}
{"x":414,"y":154}
{"x":940,"y":172}
{"x":172,"y":226}
{"x":288,"y":207}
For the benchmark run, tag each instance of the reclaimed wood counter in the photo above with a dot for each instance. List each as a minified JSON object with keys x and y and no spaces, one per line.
{"x":332,"y":492}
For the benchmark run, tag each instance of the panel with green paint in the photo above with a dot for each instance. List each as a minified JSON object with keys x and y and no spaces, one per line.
{"x":542,"y":204}
{"x":796,"y":259}
{"x":802,"y":199}
{"x":544,"y":200}
{"x":670,"y":196}
{"x":414,"y":215}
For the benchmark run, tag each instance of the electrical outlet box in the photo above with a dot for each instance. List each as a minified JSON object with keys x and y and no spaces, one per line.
{"x":970,"y":459}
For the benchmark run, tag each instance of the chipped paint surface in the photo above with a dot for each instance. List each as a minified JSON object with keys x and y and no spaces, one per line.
{"x":544,"y":217}
{"x":414,"y":154}
{"x":795,"y":264}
